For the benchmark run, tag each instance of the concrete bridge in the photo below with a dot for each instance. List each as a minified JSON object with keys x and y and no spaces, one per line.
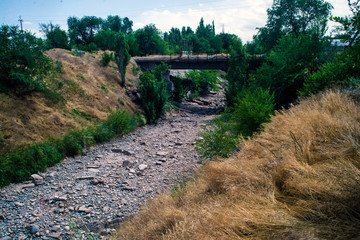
{"x":219,"y":61}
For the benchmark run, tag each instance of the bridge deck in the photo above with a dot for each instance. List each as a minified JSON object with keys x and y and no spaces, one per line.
{"x":219,"y":61}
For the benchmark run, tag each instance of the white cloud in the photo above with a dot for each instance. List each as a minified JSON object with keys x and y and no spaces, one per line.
{"x":238,"y":17}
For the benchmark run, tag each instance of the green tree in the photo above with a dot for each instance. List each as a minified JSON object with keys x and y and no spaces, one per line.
{"x":113,"y":23}
{"x":344,"y":70}
{"x":236,"y":75}
{"x":289,"y":64}
{"x":122,"y":56}
{"x":82,"y":31}
{"x":104,"y":39}
{"x":292,"y":16}
{"x":149,"y":41}
{"x":55,"y":37}
{"x":23,"y":65}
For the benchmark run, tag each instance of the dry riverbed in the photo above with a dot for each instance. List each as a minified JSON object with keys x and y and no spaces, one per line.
{"x":98,"y":191}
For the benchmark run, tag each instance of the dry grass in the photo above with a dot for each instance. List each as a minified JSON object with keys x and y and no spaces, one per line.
{"x":299,"y":179}
{"x":90,"y":91}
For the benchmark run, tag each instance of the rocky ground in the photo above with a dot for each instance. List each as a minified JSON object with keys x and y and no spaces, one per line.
{"x":96,"y":192}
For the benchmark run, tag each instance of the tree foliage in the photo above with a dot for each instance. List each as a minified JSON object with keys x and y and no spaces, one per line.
{"x":236,"y":74}
{"x":292,"y":16}
{"x":55,"y":37}
{"x":23,"y":64}
{"x":149,"y":42}
{"x":122,"y":56}
{"x":288,"y":65}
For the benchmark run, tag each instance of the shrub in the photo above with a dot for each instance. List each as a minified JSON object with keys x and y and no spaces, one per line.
{"x":339,"y":73}
{"x":120,"y":122}
{"x":251,"y":109}
{"x":106,"y":58}
{"x":153,"y":93}
{"x":74,"y":142}
{"x":203,"y":81}
{"x":19,"y":165}
{"x":103,"y":133}
{"x":219,"y":140}
{"x":179,"y":91}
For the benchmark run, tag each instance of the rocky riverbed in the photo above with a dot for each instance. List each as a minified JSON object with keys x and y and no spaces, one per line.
{"x":96,"y":192}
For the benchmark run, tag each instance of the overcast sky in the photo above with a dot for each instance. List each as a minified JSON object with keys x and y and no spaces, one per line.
{"x":240,"y":17}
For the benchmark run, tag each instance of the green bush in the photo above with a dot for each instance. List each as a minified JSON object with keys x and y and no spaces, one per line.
{"x":203,"y":81}
{"x":342,"y":72}
{"x":153,"y":93}
{"x":120,"y":122}
{"x":106,"y":58}
{"x":219,"y":140}
{"x":19,"y":165}
{"x":251,"y":109}
{"x":179,"y":91}
{"x":103,"y":133}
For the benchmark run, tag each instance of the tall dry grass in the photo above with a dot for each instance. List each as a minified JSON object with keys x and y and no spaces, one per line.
{"x":299,"y":179}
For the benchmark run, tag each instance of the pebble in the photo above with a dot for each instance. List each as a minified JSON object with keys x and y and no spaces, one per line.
{"x":110,"y":183}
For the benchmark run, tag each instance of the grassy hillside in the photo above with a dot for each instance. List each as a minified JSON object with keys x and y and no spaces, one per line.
{"x":299,"y":179}
{"x":90,"y":92}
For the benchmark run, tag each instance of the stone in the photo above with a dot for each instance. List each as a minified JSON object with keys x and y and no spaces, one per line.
{"x":94,"y":182}
{"x":82,"y":209}
{"x":162,"y":153}
{"x":126,"y":164}
{"x":19,"y":204}
{"x":129,"y":188}
{"x":34,"y":229}
{"x":67,"y":228}
{"x":56,"y":235}
{"x":28,"y":185}
{"x":86,"y":177}
{"x":132,"y":171}
{"x":142,"y":167}
{"x":55,"y":228}
{"x":37,"y":179}
{"x":32,"y":219}
{"x":125,"y":152}
{"x":6,"y":238}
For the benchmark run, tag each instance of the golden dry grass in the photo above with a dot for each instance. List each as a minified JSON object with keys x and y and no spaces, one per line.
{"x":299,"y":179}
{"x":90,"y":91}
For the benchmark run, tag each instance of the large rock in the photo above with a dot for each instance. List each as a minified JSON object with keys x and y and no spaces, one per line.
{"x":37,"y":179}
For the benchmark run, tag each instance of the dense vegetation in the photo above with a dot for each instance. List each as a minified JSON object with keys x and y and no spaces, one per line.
{"x":298,"y":59}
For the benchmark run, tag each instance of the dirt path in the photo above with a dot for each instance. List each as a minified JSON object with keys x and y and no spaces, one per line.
{"x":99,"y":190}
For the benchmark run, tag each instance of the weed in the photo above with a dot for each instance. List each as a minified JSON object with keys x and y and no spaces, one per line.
{"x":121,"y":101}
{"x":135,"y":70}
{"x":106,"y":58}
{"x":58,"y":66}
{"x":104,"y":89}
